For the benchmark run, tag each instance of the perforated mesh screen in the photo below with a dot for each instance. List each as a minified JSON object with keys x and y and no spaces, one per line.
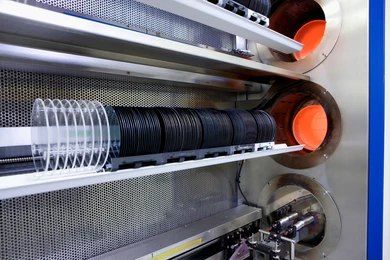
{"x":84,"y":222}
{"x":138,"y":16}
{"x":20,"y":89}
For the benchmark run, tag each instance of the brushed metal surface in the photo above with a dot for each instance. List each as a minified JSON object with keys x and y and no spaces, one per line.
{"x":345,"y":75}
{"x":13,"y":56}
{"x":203,"y":230}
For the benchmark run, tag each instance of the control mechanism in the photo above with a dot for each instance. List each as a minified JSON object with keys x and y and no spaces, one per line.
{"x":280,"y":241}
{"x":256,"y":11}
{"x":284,"y":238}
{"x":293,"y":226}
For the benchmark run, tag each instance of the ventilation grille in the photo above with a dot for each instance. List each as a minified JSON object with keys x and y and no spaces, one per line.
{"x":141,"y":17}
{"x":84,"y":222}
{"x":20,"y":89}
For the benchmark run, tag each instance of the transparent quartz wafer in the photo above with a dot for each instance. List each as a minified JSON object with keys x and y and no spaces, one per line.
{"x":115,"y":132}
{"x":54,"y":134}
{"x":69,"y":136}
{"x":63,"y":137}
{"x":40,"y":136}
{"x":72,"y":135}
{"x":89,"y":137}
{"x":105,"y":134}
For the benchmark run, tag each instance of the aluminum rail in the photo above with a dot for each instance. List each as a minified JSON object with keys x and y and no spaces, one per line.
{"x":39,"y":28}
{"x":27,"y":184}
{"x":212,"y":15}
{"x":18,"y":57}
{"x":188,"y":237}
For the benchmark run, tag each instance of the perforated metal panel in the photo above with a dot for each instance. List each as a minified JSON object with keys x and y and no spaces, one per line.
{"x":134,"y":15}
{"x":83,"y":222}
{"x":20,"y":89}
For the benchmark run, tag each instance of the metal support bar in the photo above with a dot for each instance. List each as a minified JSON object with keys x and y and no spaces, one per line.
{"x":212,"y":15}
{"x":16,"y":56}
{"x":27,"y":184}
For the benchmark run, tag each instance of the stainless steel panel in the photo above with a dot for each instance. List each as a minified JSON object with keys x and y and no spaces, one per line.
{"x":345,"y":75}
{"x":199,"y":232}
{"x":296,"y":186}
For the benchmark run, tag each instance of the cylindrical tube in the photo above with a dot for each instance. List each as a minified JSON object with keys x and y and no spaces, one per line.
{"x":286,"y":221}
{"x":303,"y":223}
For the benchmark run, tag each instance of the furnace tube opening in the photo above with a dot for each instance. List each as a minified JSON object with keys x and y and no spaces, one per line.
{"x":302,"y":20}
{"x":310,"y":126}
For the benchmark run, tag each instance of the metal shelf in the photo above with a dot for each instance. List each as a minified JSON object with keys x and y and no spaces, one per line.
{"x":179,"y":240}
{"x":212,"y":15}
{"x":53,"y":36}
{"x":18,"y":57}
{"x":27,"y":184}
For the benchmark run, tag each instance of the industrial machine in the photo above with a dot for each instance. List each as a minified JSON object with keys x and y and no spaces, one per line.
{"x":184,"y":129}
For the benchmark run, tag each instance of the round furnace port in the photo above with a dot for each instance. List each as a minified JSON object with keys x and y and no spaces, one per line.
{"x":310,"y":126}
{"x":314,"y":23}
{"x":305,"y":114}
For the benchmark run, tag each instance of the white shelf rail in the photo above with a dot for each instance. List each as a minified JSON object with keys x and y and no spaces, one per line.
{"x":28,"y":184}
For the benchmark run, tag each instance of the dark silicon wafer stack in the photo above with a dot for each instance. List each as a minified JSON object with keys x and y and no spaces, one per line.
{"x":191,"y":129}
{"x":217,"y":128}
{"x":172,"y":133}
{"x":224,"y":128}
{"x":140,"y":131}
{"x":244,"y":126}
{"x":154,"y":130}
{"x":208,"y":126}
{"x":266,"y":126}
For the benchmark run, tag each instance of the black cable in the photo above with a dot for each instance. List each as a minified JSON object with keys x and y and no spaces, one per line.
{"x":238,"y":181}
